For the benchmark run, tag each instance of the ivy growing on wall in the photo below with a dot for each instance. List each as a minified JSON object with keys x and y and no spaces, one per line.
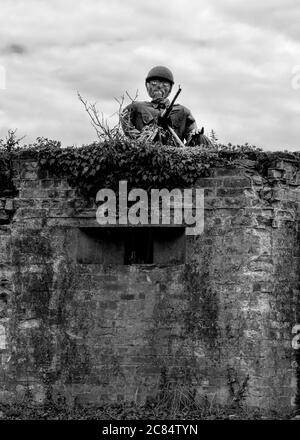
{"x":145,"y":165}
{"x":142,"y":164}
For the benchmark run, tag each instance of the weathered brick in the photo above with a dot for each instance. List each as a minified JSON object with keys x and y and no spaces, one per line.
{"x":229,"y":192}
{"x":31,"y":175}
{"x":4,"y":218}
{"x":208,"y":182}
{"x":220,"y":172}
{"x":237,"y":182}
{"x":107,"y":330}
{"x":127,"y":296}
{"x":212,"y":202}
{"x":275,"y":173}
{"x":47,"y":183}
{"x":35,"y":184}
{"x":209,"y":192}
{"x":9,"y":205}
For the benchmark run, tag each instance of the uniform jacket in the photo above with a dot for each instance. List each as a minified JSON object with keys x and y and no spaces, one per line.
{"x":140,"y":114}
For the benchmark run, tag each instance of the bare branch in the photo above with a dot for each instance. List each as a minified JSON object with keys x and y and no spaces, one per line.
{"x":100,"y":124}
{"x":132,"y":99}
{"x":11,"y":139}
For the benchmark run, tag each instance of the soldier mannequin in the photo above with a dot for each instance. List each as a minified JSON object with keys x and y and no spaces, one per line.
{"x":143,"y":115}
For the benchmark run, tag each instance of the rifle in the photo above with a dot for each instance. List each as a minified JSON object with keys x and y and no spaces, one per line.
{"x":163,"y":121}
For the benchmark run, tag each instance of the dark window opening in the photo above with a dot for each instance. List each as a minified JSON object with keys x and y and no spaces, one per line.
{"x":139,"y":246}
{"x":131,"y":245}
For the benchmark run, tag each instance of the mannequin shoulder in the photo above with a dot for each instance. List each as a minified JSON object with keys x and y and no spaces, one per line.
{"x":179,"y":108}
{"x":137,"y":105}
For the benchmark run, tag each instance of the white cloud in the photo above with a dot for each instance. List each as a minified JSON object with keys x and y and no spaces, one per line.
{"x":233,"y":61}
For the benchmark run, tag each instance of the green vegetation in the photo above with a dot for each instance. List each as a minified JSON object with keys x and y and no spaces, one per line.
{"x":142,"y":164}
{"x":133,"y":411}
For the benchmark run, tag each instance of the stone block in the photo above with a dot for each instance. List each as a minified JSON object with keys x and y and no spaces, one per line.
{"x":275,"y":173}
{"x":208,"y":182}
{"x":3,"y":337}
{"x":7,"y":397}
{"x":209,"y":192}
{"x":257,"y":180}
{"x":110,"y":329}
{"x":4,"y":248}
{"x":230,"y":192}
{"x":4,"y":218}
{"x":34,"y":184}
{"x":237,"y":182}
{"x":212,"y":202}
{"x":9,"y":205}
{"x":234,"y":202}
{"x":31,"y":175}
{"x":278,"y":194}
{"x":221,"y":172}
{"x":32,"y":193}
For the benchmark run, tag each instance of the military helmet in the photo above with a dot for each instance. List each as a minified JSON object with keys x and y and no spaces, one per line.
{"x":160,"y":72}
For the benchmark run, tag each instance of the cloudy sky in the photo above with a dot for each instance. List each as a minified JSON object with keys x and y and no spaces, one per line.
{"x":238,"y":64}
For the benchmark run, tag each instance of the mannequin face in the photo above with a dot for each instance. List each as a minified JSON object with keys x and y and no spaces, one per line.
{"x":158,"y":88}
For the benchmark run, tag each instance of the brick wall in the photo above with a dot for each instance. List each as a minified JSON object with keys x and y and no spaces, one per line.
{"x":220,"y":323}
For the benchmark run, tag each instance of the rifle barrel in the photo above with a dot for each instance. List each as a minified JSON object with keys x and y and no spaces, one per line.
{"x":176,"y":96}
{"x":168,"y":110}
